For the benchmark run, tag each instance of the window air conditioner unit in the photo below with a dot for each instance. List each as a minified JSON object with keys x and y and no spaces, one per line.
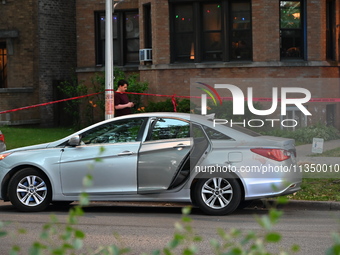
{"x":145,"y":55}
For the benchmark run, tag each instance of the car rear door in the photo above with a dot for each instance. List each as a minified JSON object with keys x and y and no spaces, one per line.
{"x":163,"y":154}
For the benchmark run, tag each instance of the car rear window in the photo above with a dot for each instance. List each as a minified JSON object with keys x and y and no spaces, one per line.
{"x":216,"y":135}
{"x":244,"y":130}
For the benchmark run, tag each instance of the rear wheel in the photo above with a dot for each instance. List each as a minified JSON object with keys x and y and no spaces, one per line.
{"x":217,"y":195}
{"x":29,"y":190}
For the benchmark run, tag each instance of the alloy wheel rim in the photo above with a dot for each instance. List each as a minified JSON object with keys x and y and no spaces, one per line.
{"x":217,"y":193}
{"x":31,"y":190}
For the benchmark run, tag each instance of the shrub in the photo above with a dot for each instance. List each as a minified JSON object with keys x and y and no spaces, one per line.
{"x":167,"y":106}
{"x":84,"y":111}
{"x":135,"y":86}
{"x":306,"y":134}
{"x":68,"y":89}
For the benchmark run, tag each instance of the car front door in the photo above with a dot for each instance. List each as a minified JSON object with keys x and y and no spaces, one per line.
{"x":109,"y":154}
{"x":163,"y":154}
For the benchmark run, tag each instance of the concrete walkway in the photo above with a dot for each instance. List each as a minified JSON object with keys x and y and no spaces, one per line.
{"x":304,"y":153}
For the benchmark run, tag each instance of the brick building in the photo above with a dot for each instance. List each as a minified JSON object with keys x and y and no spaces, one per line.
{"x":294,"y":42}
{"x":286,"y":42}
{"x":37,"y":49}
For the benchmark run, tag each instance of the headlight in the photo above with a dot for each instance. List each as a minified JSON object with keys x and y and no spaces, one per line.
{"x":4,"y":155}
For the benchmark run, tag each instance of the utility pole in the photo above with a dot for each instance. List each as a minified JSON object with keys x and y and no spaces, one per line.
{"x":109,"y":67}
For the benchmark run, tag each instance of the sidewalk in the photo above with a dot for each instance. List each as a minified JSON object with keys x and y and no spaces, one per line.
{"x":304,"y":153}
{"x":297,"y":205}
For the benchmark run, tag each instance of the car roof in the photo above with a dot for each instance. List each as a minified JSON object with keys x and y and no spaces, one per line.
{"x":186,"y":116}
{"x":201,"y":119}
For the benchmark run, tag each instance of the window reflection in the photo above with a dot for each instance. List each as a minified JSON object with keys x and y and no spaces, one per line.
{"x":125,"y":34}
{"x":203,"y":31}
{"x":3,"y":65}
{"x":212,"y":32}
{"x":290,"y":12}
{"x":241,"y":36}
{"x":291,"y":34}
{"x":114,"y":132}
{"x":170,"y":129}
{"x":184,"y":37}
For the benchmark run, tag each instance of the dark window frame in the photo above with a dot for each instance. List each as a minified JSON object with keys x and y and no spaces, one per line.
{"x":299,"y":52}
{"x":330,"y":114}
{"x":330,"y":30}
{"x":120,"y":40}
{"x":147,"y":25}
{"x":3,"y":65}
{"x":198,"y":34}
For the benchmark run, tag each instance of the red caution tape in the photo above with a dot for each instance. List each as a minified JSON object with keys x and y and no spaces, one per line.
{"x":53,"y":102}
{"x":174,"y":103}
{"x":173,"y":100}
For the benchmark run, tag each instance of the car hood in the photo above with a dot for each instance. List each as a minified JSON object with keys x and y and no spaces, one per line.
{"x":32,"y":147}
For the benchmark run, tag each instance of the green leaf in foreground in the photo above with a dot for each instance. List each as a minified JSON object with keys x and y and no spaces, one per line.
{"x":273,"y":237}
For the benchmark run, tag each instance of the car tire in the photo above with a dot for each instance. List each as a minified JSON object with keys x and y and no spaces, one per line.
{"x":192,"y":195}
{"x":217,"y":195}
{"x":29,"y":190}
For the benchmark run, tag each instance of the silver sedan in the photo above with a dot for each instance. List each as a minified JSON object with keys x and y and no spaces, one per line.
{"x":173,"y":157}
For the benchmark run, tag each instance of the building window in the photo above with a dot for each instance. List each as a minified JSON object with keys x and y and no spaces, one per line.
{"x":125,"y":38}
{"x":3,"y":65}
{"x":330,"y":115}
{"x":147,"y":26}
{"x":210,"y":31}
{"x":291,"y":30}
{"x":330,"y":30}
{"x":294,"y":119}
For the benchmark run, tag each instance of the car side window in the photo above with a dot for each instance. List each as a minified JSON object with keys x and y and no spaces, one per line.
{"x":115,"y":132}
{"x":216,"y":135}
{"x":166,"y":128}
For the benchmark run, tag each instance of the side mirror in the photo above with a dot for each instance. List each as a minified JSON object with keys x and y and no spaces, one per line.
{"x":74,"y":140}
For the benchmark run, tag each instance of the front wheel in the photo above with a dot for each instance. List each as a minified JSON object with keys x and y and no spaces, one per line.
{"x":29,"y":190}
{"x":217,"y":195}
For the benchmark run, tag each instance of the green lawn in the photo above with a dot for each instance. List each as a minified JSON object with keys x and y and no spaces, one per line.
{"x":320,"y":189}
{"x":23,"y":136}
{"x":317,"y":189}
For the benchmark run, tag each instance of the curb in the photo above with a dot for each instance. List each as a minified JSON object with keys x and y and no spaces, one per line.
{"x":296,"y":205}
{"x":319,"y":160}
{"x":263,"y":204}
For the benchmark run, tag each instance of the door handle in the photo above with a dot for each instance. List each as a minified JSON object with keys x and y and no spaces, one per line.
{"x":125,"y":153}
{"x":180,"y":146}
